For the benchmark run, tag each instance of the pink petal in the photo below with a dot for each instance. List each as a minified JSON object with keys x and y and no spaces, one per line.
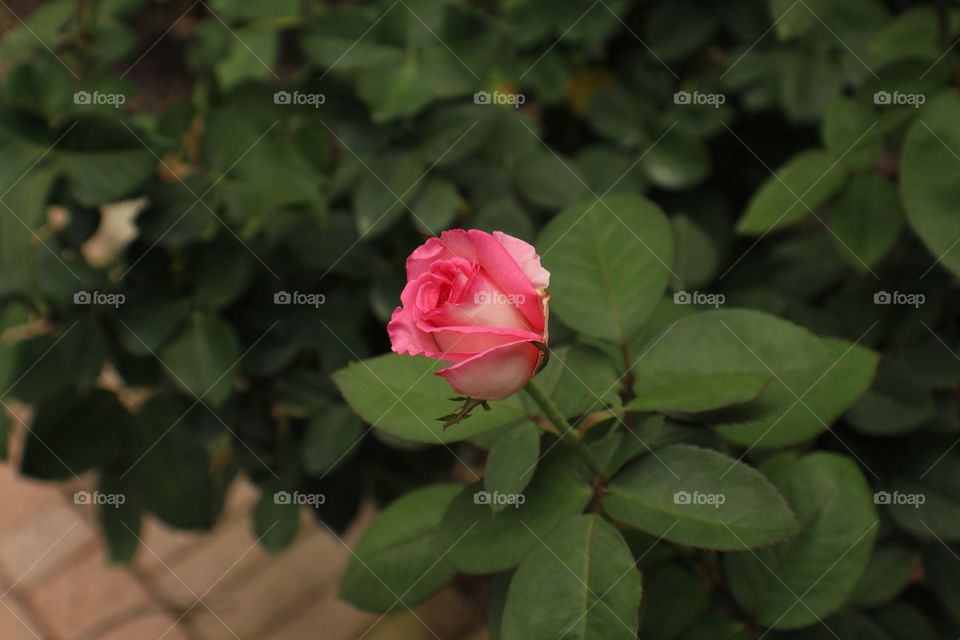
{"x":453,"y":243}
{"x":481,"y":303}
{"x":494,"y":374}
{"x":526,"y":258}
{"x":473,"y":340}
{"x":406,"y":338}
{"x":508,"y":276}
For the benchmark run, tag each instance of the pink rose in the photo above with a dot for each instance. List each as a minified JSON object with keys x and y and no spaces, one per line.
{"x":478,"y":301}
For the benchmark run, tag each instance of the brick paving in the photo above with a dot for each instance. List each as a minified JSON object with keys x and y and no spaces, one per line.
{"x":56,"y":582}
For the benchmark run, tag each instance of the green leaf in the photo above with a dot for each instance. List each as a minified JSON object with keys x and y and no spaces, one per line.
{"x":700,"y":498}
{"x":910,"y":35}
{"x":935,"y":360}
{"x":28,"y":199}
{"x":904,"y":621}
{"x":847,"y":19}
{"x":888,"y":574}
{"x":824,"y":394}
{"x":824,"y":562}
{"x":379,"y":201}
{"x":512,"y":461}
{"x":715,"y":627}
{"x":866,"y":220}
{"x":850,"y":127}
{"x":41,"y":28}
{"x":580,"y":379}
{"x":150,"y":320}
{"x":271,"y":175}
{"x":96,"y":177}
{"x":930,"y":178}
{"x":482,"y":542}
{"x":609,"y":262}
{"x":275,"y":522}
{"x":335,"y":40}
{"x":222,"y":272}
{"x":394,"y":90}
{"x":691,"y":393}
{"x":398,"y":562}
{"x":72,"y":434}
{"x":899,"y":401}
{"x":240,"y":11}
{"x":803,"y":184}
{"x":202,"y":360}
{"x":400,"y":396}
{"x":809,"y":81}
{"x":436,"y":207}
{"x":675,"y":598}
{"x":676,"y":30}
{"x":712,"y":359}
{"x":939,"y":564}
{"x":498,"y":587}
{"x":578,"y":583}
{"x":790,"y":20}
{"x":697,"y":259}
{"x":251,"y":55}
{"x":678,"y":161}
{"x":548,"y":181}
{"x":120,"y":518}
{"x":333,"y":435}
{"x":927,"y":507}
{"x":186,"y":498}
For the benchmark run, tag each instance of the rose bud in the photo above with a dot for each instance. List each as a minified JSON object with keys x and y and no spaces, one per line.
{"x":479,"y":302}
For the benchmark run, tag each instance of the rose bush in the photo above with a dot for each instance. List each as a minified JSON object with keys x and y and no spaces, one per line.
{"x":748,"y":210}
{"x":479,"y":301}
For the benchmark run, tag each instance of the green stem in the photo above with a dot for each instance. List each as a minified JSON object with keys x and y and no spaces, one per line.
{"x":567,"y":433}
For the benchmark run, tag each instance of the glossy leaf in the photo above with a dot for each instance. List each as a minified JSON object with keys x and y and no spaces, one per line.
{"x":700,"y":498}
{"x":579,"y":582}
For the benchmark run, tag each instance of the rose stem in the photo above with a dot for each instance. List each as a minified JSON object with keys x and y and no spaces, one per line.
{"x":567,"y":433}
